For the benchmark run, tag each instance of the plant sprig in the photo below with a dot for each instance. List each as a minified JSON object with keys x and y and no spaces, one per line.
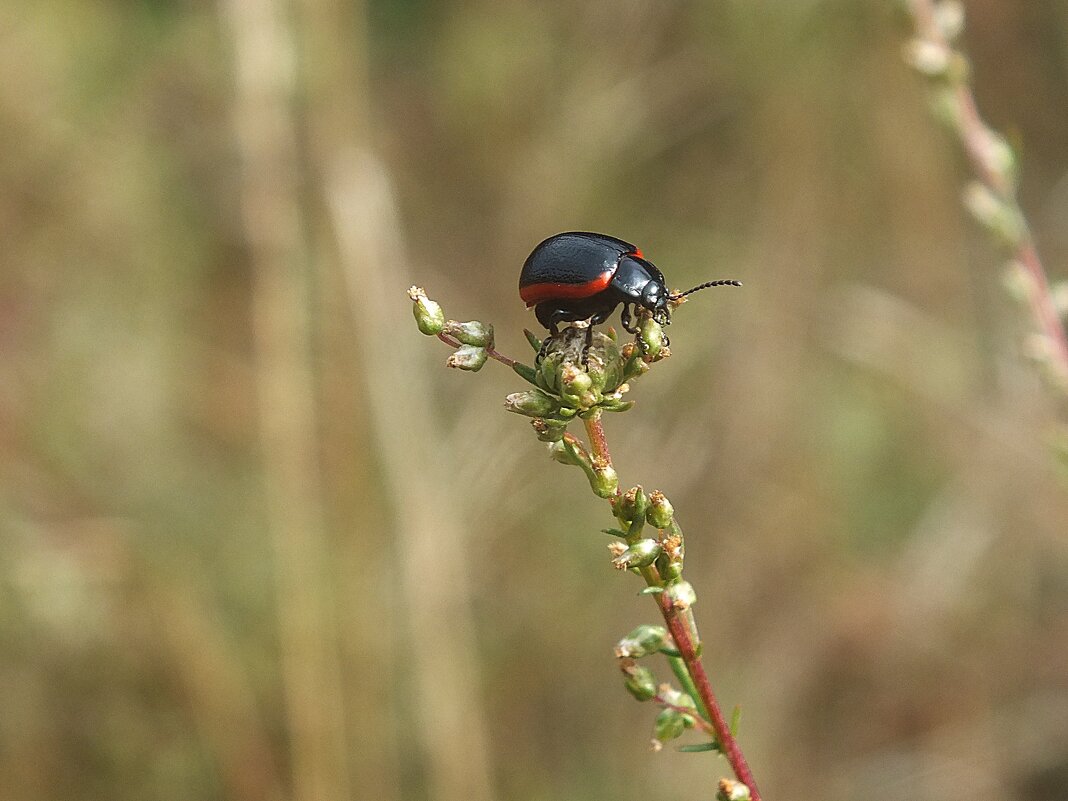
{"x":991,"y":195}
{"x":581,"y":377}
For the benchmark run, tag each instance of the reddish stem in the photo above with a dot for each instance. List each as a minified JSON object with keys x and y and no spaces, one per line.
{"x":728,"y":745}
{"x":489,"y":351}
{"x":680,"y":632}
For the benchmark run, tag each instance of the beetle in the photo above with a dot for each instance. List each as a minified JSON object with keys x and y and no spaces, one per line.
{"x":579,"y":275}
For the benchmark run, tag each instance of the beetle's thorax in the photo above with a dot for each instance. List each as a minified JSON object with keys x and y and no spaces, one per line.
{"x":639,"y":281}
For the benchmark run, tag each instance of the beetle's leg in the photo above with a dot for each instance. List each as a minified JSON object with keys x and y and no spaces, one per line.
{"x":625,"y":319}
{"x":547,"y":316}
{"x":587,"y":346}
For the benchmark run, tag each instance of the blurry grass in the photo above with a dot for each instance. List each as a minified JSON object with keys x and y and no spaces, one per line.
{"x":877,"y":533}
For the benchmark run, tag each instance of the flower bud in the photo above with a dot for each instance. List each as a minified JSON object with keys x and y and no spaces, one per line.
{"x":632,"y":505}
{"x":640,"y":554}
{"x":565,"y":452}
{"x":467,"y":357}
{"x":670,"y":723}
{"x":1000,"y":217}
{"x":998,"y":157}
{"x":643,"y":641}
{"x":731,"y":790}
{"x":660,"y":512}
{"x":669,"y":563}
{"x":651,"y":336}
{"x":669,"y":695}
{"x":471,"y":333}
{"x":640,"y":681}
{"x":547,"y":378}
{"x":549,"y":430}
{"x":574,"y":381}
{"x":532,"y":403}
{"x":428,"y":314}
{"x":681,"y":595}
{"x":603,"y":480}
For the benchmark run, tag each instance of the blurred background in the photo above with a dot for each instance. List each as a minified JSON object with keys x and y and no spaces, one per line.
{"x":258,"y":543}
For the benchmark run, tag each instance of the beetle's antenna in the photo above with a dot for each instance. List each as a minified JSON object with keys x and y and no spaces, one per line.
{"x":706,"y":285}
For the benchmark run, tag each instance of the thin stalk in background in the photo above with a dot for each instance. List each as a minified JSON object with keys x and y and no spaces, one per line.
{"x":264,"y":122}
{"x":991,"y":198}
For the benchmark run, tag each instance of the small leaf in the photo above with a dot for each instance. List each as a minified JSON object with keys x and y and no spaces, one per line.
{"x":651,"y":590}
{"x":533,"y":340}
{"x":736,"y":718}
{"x":615,"y":532}
{"x":699,"y":747}
{"x":527,"y":372}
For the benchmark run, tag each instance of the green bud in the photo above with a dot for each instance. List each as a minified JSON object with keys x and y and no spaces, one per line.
{"x":603,"y":481}
{"x":681,"y":595}
{"x":632,"y":505}
{"x":651,"y":337}
{"x":669,"y":695}
{"x":670,"y":723}
{"x":998,"y":157}
{"x":669,"y":563}
{"x":595,"y":369}
{"x":640,"y":554}
{"x":559,"y":452}
{"x":635,"y":366}
{"x":574,"y":381}
{"x":565,"y":452}
{"x":549,"y":430}
{"x":532,"y":403}
{"x":428,"y":314}
{"x":640,"y":681}
{"x":471,"y":333}
{"x":467,"y":357}
{"x":660,"y":512}
{"x":643,"y":641}
{"x":731,"y":790}
{"x":1000,"y":217}
{"x":548,"y":377}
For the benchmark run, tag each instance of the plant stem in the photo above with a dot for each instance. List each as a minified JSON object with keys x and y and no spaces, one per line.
{"x":680,"y":629}
{"x":976,"y":138}
{"x":728,"y":745}
{"x":493,"y":354}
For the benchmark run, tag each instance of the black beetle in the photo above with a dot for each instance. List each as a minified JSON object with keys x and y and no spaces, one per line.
{"x":583,"y":276}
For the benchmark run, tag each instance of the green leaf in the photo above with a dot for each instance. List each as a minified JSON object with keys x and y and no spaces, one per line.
{"x":615,"y":532}
{"x":736,"y":718}
{"x":649,"y":590}
{"x":699,"y":747}
{"x":533,"y":340}
{"x":527,"y":372}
